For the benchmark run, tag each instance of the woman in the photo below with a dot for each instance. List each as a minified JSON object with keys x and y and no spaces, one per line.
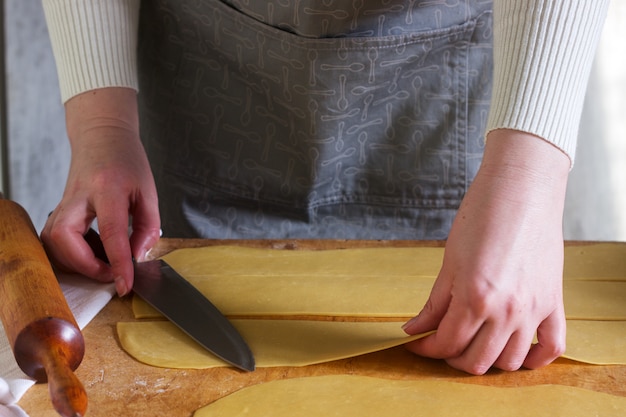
{"x":351,"y":119}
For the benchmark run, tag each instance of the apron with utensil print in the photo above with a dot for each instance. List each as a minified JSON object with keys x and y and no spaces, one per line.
{"x":349,"y":119}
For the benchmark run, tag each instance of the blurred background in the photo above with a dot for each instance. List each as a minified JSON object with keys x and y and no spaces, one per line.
{"x":34,"y":154}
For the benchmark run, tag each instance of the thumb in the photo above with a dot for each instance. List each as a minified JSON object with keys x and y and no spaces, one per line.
{"x":142,"y":241}
{"x":433,"y":311}
{"x":146,"y":224}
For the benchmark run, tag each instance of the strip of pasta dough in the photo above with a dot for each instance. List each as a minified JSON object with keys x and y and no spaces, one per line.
{"x":374,"y":282}
{"x":363,"y":396}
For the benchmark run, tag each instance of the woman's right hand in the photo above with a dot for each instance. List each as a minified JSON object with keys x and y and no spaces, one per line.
{"x":109,"y":179}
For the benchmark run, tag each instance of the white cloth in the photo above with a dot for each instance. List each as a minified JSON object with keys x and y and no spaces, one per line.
{"x":85,"y":298}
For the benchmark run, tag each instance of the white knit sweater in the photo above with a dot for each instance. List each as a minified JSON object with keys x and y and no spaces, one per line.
{"x":543,"y":52}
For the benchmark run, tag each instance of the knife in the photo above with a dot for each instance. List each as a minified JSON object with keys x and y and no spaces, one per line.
{"x":174,"y":297}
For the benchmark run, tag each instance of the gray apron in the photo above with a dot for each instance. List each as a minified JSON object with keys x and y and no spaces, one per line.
{"x":349,"y":119}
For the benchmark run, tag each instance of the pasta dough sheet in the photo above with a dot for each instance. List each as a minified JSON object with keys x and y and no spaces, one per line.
{"x":594,"y":300}
{"x":596,"y":342}
{"x":601,"y":261}
{"x":362,"y":396}
{"x":379,"y":282}
{"x":374,"y":282}
{"x":598,"y":261}
{"x":327,"y":295}
{"x":273,"y":342}
{"x":302,"y":342}
{"x":373,"y":297}
{"x":238,"y":260}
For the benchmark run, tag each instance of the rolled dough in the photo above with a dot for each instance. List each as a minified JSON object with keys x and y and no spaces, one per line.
{"x":303,"y":342}
{"x":380,"y":282}
{"x":598,"y":261}
{"x":374,"y":282}
{"x":596,"y":342}
{"x":361,"y":396}
{"x":595,"y":261}
{"x":273,"y":342}
{"x":594,"y":300}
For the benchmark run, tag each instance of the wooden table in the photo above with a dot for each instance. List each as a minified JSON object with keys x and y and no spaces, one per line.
{"x":119,"y":385}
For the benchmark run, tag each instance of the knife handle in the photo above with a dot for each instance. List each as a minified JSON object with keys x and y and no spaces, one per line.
{"x":46,"y":341}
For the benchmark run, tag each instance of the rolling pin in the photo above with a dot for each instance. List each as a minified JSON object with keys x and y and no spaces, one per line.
{"x":46,"y":341}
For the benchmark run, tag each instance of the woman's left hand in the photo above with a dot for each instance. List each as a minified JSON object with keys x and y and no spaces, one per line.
{"x":501,"y":279}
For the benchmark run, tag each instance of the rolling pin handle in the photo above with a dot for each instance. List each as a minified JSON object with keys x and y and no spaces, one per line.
{"x":66,"y":391}
{"x":49,"y":350}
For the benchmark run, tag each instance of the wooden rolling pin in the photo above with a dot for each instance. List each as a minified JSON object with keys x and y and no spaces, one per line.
{"x":46,"y":341}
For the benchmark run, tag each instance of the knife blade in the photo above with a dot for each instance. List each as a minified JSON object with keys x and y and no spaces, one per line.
{"x":173,"y":296}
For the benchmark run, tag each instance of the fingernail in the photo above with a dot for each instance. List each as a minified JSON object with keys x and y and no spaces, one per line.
{"x":143,"y":255}
{"x":409,"y":323}
{"x":120,"y":286}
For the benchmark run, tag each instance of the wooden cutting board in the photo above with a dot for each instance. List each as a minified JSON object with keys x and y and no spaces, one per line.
{"x":119,"y":385}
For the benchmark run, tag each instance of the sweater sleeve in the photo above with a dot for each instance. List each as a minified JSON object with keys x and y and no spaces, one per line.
{"x":543,"y":53}
{"x":94,"y":43}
